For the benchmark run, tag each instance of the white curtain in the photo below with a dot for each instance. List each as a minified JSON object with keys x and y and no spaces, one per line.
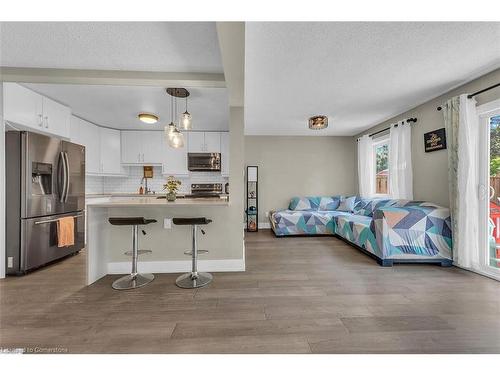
{"x":366,"y":166}
{"x":462,"y":127}
{"x":400,"y":166}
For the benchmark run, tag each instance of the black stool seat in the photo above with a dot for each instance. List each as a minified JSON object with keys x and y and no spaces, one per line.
{"x":191,"y":220}
{"x":130,"y":221}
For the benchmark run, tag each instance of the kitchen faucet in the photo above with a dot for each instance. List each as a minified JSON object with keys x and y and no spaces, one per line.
{"x":146,"y":189}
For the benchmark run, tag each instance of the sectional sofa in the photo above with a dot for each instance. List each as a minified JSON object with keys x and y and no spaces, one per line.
{"x":389,"y":230}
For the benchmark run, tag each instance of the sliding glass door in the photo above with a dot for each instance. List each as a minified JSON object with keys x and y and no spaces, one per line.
{"x":489,"y":189}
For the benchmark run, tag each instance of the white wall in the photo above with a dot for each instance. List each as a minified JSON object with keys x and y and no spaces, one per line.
{"x":430,"y":170}
{"x":2,"y":186}
{"x":299,"y":165}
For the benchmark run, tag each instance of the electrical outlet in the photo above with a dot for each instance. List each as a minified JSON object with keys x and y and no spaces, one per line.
{"x":10,"y":262}
{"x":267,"y":213}
{"x":167,"y":223}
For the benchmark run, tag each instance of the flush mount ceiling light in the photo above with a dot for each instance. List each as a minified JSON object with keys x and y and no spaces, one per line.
{"x":318,"y":122}
{"x":173,"y":136}
{"x":148,"y":118}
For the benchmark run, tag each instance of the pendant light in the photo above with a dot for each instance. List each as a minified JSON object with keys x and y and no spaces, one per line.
{"x":175,"y":137}
{"x":186,"y":119}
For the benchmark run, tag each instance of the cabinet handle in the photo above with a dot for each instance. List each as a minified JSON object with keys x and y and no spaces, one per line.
{"x":102,"y":166}
{"x":46,"y":122}
{"x":40,"y":118}
{"x":138,"y":157}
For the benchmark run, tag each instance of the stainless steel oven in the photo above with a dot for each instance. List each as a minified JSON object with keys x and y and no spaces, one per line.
{"x":204,"y":161}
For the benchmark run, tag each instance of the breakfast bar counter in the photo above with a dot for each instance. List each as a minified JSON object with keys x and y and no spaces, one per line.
{"x":161,"y":201}
{"x":107,"y":244}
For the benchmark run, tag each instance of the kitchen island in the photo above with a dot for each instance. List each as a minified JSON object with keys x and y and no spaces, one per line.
{"x":107,"y":244}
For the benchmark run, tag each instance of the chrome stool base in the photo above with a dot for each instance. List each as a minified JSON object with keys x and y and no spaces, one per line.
{"x":192,"y":280}
{"x":133,"y":281}
{"x":139,"y":252}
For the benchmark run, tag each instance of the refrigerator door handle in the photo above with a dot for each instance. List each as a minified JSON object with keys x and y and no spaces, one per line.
{"x":66,"y":172}
{"x":61,"y":176}
{"x":54,"y":220}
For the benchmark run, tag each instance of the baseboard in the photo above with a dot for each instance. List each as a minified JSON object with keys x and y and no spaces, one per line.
{"x":263,"y":225}
{"x":177,"y":266}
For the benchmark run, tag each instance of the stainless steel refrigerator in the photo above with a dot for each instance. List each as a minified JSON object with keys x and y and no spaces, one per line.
{"x":45,"y":181}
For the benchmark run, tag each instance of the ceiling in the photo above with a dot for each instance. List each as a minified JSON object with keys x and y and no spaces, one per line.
{"x":143,"y":46}
{"x":118,"y":106}
{"x":358,"y":74}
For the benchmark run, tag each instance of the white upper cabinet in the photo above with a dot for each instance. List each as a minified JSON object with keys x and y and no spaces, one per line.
{"x":87,"y":134}
{"x":196,"y":141}
{"x":142,"y":147}
{"x":224,"y":151}
{"x":153,"y":147}
{"x":102,"y":147}
{"x":212,"y":142}
{"x":110,"y":151}
{"x":131,"y":147}
{"x":175,"y":160}
{"x":22,"y":106}
{"x":30,"y":110}
{"x":56,"y":118}
{"x":204,"y":141}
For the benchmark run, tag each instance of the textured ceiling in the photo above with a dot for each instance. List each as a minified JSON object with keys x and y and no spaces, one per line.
{"x":358,"y":74}
{"x":117,"y":106}
{"x":144,"y":46}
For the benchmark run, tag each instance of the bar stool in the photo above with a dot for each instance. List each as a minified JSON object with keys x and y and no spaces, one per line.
{"x":134,"y":280}
{"x":193,"y":279}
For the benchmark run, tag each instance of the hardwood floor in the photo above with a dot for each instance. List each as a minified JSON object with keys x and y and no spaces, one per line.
{"x":298,"y":295}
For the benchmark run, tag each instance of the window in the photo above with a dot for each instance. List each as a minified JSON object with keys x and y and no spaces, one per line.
{"x":381,"y":158}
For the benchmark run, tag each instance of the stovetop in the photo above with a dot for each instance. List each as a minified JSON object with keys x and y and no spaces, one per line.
{"x":205,"y":190}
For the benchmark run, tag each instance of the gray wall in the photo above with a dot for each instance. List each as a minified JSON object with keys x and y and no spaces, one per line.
{"x":2,"y":185}
{"x":297,"y":166}
{"x":430,"y":170}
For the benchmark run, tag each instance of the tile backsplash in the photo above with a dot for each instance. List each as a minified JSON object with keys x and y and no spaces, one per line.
{"x":132,"y":182}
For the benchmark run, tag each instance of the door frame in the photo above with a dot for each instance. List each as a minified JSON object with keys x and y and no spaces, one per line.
{"x":484,"y":112}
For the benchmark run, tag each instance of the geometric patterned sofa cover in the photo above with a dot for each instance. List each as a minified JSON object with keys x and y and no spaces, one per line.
{"x":391,"y":230}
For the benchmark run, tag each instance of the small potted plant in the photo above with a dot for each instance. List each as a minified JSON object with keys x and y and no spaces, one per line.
{"x":172,"y":186}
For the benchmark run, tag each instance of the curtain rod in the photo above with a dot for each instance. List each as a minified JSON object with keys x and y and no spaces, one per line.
{"x":412,"y":119}
{"x":470,"y":96}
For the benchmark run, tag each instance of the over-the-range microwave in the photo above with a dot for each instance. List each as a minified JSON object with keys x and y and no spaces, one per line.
{"x":204,"y":161}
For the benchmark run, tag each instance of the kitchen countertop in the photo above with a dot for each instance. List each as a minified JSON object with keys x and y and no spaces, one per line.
{"x":152,"y":201}
{"x":125,"y":195}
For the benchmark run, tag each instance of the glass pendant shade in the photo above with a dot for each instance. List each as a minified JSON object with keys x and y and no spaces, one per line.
{"x":186,"y":121}
{"x":176,"y":139}
{"x":169,"y":131}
